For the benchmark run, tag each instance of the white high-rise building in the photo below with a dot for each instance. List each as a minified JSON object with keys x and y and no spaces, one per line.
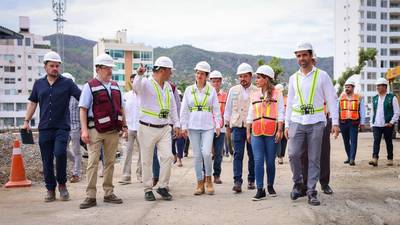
{"x":127,"y":56}
{"x":21,"y":63}
{"x":367,"y":24}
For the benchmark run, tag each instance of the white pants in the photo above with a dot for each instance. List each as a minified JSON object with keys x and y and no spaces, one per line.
{"x":74,"y":153}
{"x":127,"y":159}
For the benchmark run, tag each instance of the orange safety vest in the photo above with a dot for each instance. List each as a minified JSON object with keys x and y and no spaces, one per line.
{"x":265,"y":114}
{"x":222,"y":96}
{"x":349,"y":108}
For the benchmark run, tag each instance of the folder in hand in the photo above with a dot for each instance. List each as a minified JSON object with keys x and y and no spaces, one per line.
{"x":26,"y":136}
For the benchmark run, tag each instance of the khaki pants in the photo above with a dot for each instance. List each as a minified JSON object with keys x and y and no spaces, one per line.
{"x":109,"y":141}
{"x":149,"y":138}
{"x":127,"y":160}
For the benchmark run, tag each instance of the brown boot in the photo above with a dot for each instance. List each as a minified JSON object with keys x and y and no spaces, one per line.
{"x":217,"y":180}
{"x":373,"y":162}
{"x":209,"y":186}
{"x":200,"y":188}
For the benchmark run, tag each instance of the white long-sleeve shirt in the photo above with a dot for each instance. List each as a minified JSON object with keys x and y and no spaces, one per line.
{"x":200,"y":120}
{"x":131,"y":106}
{"x":281,"y":111}
{"x":144,"y":89}
{"x":325,"y":92}
{"x":380,"y":116}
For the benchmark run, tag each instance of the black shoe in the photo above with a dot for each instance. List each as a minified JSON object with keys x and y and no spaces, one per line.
{"x":64,"y":195}
{"x":271,"y":191}
{"x":260,"y":195}
{"x":50,"y":196}
{"x":88,"y":203}
{"x":251,"y":185}
{"x":326,"y":189}
{"x":237,"y":187}
{"x":352,"y":163}
{"x":298,"y":191}
{"x":149,"y":196}
{"x":164,"y":194}
{"x":313,"y":199}
{"x":346,"y":162}
{"x":112,"y":199}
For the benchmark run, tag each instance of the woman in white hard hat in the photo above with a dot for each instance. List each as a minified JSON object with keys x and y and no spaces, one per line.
{"x":265,"y":128}
{"x":200,"y":115}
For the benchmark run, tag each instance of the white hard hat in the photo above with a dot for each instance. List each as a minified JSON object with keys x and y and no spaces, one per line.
{"x":179,"y":92}
{"x":314,"y":56}
{"x":381,"y":81}
{"x":266,"y":70}
{"x":69,"y":76}
{"x":104,"y":60}
{"x":52,"y":56}
{"x":279,"y":87}
{"x":164,"y":61}
{"x":244,"y":68}
{"x":303,"y":46}
{"x":350,"y":82}
{"x":203,"y":66}
{"x":215,"y":74}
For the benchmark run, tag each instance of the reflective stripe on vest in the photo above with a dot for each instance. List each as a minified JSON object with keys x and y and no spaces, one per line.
{"x":265,"y":114}
{"x":164,"y":106}
{"x":309,"y":107}
{"x":203,"y":106}
{"x":349,"y":108}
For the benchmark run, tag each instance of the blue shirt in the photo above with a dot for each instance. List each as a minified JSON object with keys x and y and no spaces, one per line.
{"x":54,"y":102}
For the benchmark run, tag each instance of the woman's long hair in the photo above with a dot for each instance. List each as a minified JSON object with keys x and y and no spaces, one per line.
{"x":270,"y":89}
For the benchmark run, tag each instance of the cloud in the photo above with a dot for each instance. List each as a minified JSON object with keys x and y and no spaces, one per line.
{"x":271,"y":27}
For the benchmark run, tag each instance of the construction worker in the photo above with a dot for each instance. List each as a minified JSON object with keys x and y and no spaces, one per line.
{"x":305,"y":121}
{"x":218,"y":142}
{"x":158,"y":111}
{"x":102,"y":117}
{"x":131,"y":106}
{"x":74,"y":153}
{"x":351,"y":117}
{"x":53,"y":93}
{"x":281,"y":147}
{"x":265,"y":128}
{"x":200,"y":116}
{"x":385,"y":112}
{"x":237,"y":106}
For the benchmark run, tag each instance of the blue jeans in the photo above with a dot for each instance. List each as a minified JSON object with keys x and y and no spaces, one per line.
{"x":53,"y":143}
{"x":387,"y":134}
{"x":218,"y":144}
{"x":239,"y":142}
{"x":201,"y":141}
{"x":178,"y":145}
{"x":349,"y":131}
{"x":156,"y":165}
{"x":264,"y":150}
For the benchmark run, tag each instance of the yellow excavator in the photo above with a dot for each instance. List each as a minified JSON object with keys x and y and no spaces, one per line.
{"x":393,"y":76}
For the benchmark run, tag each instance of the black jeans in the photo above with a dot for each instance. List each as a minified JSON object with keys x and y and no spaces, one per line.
{"x":387,"y":134}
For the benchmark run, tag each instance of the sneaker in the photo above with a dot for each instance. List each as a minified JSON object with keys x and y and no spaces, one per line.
{"x":271,"y":191}
{"x":298,"y":191}
{"x":313,"y":199}
{"x":74,"y":179}
{"x":260,"y":195}
{"x":112,"y":199}
{"x":149,"y":196}
{"x":164,"y":194}
{"x":50,"y":196}
{"x":64,"y":195}
{"x":88,"y":203}
{"x":237,"y":187}
{"x":251,"y":185}
{"x":389,"y":162}
{"x":346,"y":162}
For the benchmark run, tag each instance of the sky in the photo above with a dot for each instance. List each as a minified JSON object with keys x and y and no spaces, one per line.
{"x":257,"y":27}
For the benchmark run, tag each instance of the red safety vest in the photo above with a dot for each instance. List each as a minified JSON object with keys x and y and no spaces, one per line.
{"x":222,"y":96}
{"x":265,"y":114}
{"x":349,"y":108}
{"x":107,"y":109}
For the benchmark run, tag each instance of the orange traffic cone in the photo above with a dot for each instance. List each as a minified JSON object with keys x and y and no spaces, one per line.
{"x":17,"y":175}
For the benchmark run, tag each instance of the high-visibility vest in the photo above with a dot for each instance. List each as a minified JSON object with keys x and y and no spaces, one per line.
{"x":222,"y":96}
{"x":164,"y":105}
{"x":309,"y":107}
{"x":265,"y":114}
{"x":203,"y":105}
{"x":349,"y":107}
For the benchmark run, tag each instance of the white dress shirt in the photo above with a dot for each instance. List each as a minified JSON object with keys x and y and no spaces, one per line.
{"x":200,"y":120}
{"x":228,"y":107}
{"x":144,"y":89}
{"x":380,"y":116}
{"x":325,"y":92}
{"x":281,"y":111}
{"x":131,"y":106}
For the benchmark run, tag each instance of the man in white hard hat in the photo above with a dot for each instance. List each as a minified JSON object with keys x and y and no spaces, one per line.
{"x":158,"y":111}
{"x":351,"y":117}
{"x":102,"y":118}
{"x":74,"y":153}
{"x":385,"y":113}
{"x":218,"y":142}
{"x":53,"y":93}
{"x":237,"y":106}
{"x":309,"y":88}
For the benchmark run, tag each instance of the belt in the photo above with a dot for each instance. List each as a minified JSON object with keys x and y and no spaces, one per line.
{"x":153,"y":125}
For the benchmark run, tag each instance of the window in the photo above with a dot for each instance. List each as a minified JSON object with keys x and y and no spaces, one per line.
{"x":10,"y":69}
{"x":19,"y":42}
{"x":9,"y":57}
{"x":119,"y":66}
{"x":19,"y":68}
{"x":8,"y":106}
{"x":362,"y":87}
{"x":383,"y":40}
{"x":383,"y":27}
{"x":383,"y":16}
{"x":8,"y":80}
{"x":384,"y":3}
{"x":371,"y":87}
{"x":369,"y":99}
{"x":371,"y":76}
{"x":19,"y":79}
{"x":7,"y":121}
{"x":371,"y":2}
{"x":371,"y":39}
{"x":383,"y":64}
{"x":118,"y":77}
{"x":27,"y":42}
{"x":146,"y":56}
{"x":30,"y":79}
{"x":21,"y":106}
{"x":371,"y":63}
{"x":371,"y":27}
{"x":40,"y":58}
{"x":371,"y":15}
{"x":20,"y":121}
{"x":29,"y":67}
{"x":362,"y":38}
{"x":383,"y":75}
{"x":383,"y":51}
{"x":136,"y":66}
{"x":136,"y":54}
{"x":116,"y":53}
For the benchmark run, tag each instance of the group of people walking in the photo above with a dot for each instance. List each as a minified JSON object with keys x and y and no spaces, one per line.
{"x":259,"y":119}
